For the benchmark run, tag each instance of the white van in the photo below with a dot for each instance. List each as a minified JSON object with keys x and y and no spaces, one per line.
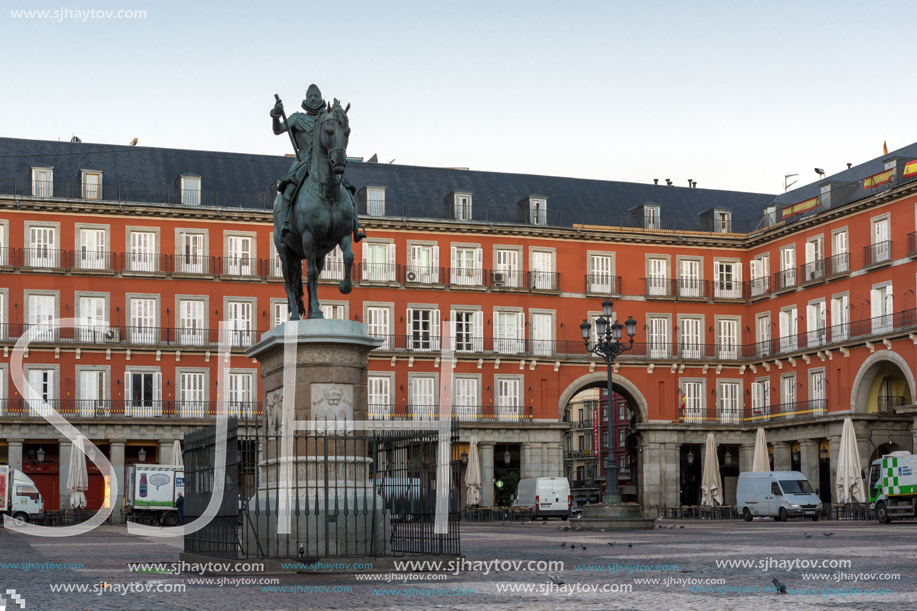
{"x":778,"y":494}
{"x":548,"y":496}
{"x":19,"y":496}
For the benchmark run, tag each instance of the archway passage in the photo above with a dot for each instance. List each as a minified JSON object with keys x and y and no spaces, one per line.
{"x":884,"y":382}
{"x":882,"y":450}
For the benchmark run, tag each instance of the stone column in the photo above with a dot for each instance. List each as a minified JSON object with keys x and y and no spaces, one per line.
{"x":672,"y":484}
{"x":526,"y":468}
{"x":808,"y":460}
{"x":63,"y":473}
{"x":15,"y":453}
{"x":116,"y":458}
{"x":651,"y":460}
{"x":746,"y":457}
{"x":165,"y":452}
{"x":783,"y":459}
{"x":553,"y":460}
{"x":486,"y":453}
{"x":834,"y":448}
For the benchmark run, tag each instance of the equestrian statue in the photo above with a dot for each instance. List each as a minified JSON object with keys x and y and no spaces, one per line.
{"x":314,"y":210}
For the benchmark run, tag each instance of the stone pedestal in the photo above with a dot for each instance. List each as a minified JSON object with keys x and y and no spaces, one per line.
{"x":617,"y":516}
{"x":314,"y":376}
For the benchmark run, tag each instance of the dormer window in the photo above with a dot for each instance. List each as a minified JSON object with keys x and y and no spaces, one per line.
{"x":43,"y":182}
{"x":461,"y":205}
{"x":770,"y":216}
{"x":652,"y":217}
{"x":723,"y":220}
{"x":375,"y":201}
{"x":537,"y":207}
{"x":91,"y":181}
{"x":190,"y":186}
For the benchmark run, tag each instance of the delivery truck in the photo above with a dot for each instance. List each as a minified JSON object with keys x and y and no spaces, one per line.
{"x":893,"y":486}
{"x":151,"y":490}
{"x":19,"y":496}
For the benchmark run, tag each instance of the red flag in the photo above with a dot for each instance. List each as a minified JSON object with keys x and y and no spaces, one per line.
{"x":885,"y":148}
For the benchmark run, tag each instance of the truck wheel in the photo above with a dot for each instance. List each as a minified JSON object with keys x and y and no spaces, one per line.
{"x":882,"y":513}
{"x":746,"y":515}
{"x":815,"y":518}
{"x":783,"y":515}
{"x":21,"y":516}
{"x":564,"y":518}
{"x":170,"y":519}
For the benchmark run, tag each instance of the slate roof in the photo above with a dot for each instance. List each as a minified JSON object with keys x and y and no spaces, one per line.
{"x":136,"y":166}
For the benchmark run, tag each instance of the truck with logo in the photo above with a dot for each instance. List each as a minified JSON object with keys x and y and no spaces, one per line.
{"x":19,"y":496}
{"x":151,"y":490}
{"x":893,"y":486}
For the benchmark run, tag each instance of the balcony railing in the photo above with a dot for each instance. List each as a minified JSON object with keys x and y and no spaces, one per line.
{"x":603,"y":284}
{"x":193,"y":264}
{"x":812,"y":272}
{"x":716,"y":414}
{"x":544,"y":281}
{"x":838,"y":264}
{"x":507,"y":279}
{"x":464,"y":413}
{"x":889,"y":403}
{"x":111,"y":408}
{"x":113,"y":335}
{"x":418,"y":274}
{"x":912,"y":244}
{"x":758,"y":287}
{"x":658,"y":287}
{"x":691,"y":288}
{"x":877,"y":254}
{"x":466,"y":276}
{"x":729,"y":289}
{"x":144,"y":262}
{"x":785,"y":279}
{"x":379,"y":272}
{"x":245,"y":267}
{"x":93,"y":260}
{"x":48,"y":258}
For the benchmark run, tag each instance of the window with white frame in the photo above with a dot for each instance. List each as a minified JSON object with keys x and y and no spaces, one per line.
{"x":543,"y":277}
{"x":192,"y":394}
{"x":462,"y":207}
{"x":275,"y":269}
{"x":760,"y":404}
{"x":728,"y":396}
{"x":840,"y":317}
{"x":542,"y":334}
{"x":727,"y":280}
{"x":92,"y":249}
{"x":379,"y":390}
{"x":509,"y":332}
{"x":723,"y":220}
{"x":280,"y":311}
{"x":506,"y":268}
{"x":465,"y":402}
{"x":881,"y":242}
{"x":42,"y":309}
{"x":760,"y":275}
{"x":467,"y":266}
{"x":143,"y":393}
{"x":240,"y":320}
{"x":334,"y":265}
{"x":379,"y":262}
{"x":787,"y":267}
{"x":42,"y":380}
{"x":763,"y":334}
{"x":241,"y":395}
{"x":690,"y":336}
{"x":43,"y":182}
{"x":509,"y":404}
{"x":881,"y":307}
{"x":92,"y":184}
{"x":788,"y":394}
{"x":538,"y":211}
{"x":191,"y":190}
{"x":93,"y":319}
{"x":817,"y":393}
{"x":788,"y":329}
{"x":191,"y":331}
{"x":423,"y":328}
{"x":693,"y":394}
{"x":652,"y":217}
{"x":814,"y":268}
{"x":658,"y":337}
{"x":42,"y":250}
{"x":4,"y":251}
{"x":142,"y":256}
{"x":601,"y":275}
{"x":841,"y":253}
{"x":423,"y":264}
{"x":143,"y":328}
{"x":689,"y":280}
{"x":378,"y":323}
{"x":816,"y":323}
{"x":375,"y":201}
{"x":657,"y":277}
{"x":239,"y":256}
{"x":727,"y":338}
{"x":467,"y":330}
{"x":192,"y":258}
{"x":333,"y":311}
{"x":92,"y":394}
{"x":423,"y":396}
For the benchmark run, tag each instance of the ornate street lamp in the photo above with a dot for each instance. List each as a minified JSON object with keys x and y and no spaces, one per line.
{"x":464,"y":457}
{"x":608,"y":346}
{"x":690,"y":457}
{"x":141,"y":455}
{"x":40,"y":454}
{"x":507,"y":457}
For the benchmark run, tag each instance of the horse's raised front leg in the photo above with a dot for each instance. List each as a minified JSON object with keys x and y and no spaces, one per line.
{"x":346,"y":285}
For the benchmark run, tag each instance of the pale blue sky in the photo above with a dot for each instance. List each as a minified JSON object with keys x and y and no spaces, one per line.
{"x":731,"y":94}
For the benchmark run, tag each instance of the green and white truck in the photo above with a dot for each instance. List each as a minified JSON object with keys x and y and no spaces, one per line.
{"x":893,"y":486}
{"x":152,"y":489}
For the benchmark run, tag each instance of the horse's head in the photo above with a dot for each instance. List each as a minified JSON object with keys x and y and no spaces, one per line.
{"x":334,"y":132}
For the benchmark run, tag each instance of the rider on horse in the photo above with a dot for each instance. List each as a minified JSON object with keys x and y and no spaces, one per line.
{"x":302,"y":127}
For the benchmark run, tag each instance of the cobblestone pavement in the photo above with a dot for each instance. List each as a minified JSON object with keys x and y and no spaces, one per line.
{"x":880,"y":574}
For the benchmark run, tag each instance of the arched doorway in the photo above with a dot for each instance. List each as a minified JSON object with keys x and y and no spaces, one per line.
{"x":884,"y":382}
{"x":882,"y":450}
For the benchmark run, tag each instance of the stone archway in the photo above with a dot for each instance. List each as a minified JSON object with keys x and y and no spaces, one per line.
{"x":862,"y":384}
{"x":599,"y":380}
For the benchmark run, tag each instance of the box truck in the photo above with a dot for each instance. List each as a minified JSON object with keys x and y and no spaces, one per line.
{"x":548,"y":496}
{"x":893,"y":486}
{"x":19,"y":496}
{"x":151,"y":490}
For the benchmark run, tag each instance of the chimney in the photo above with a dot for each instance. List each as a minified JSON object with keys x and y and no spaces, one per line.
{"x":655,"y":181}
{"x":689,"y":183}
{"x":134,"y":142}
{"x":668,"y":182}
{"x":694,"y":185}
{"x":75,"y":139}
{"x":849,"y":165}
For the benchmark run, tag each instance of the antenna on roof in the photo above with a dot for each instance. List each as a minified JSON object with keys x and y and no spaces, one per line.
{"x":786,"y":181}
{"x":820,"y":172}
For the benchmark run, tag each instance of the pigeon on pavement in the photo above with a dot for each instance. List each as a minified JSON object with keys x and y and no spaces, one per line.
{"x":583,"y":546}
{"x":564,"y":544}
{"x":827,"y":534}
{"x":611,"y":543}
{"x":556,"y":579}
{"x":807,"y":535}
{"x":630,"y":545}
{"x":779,"y":585}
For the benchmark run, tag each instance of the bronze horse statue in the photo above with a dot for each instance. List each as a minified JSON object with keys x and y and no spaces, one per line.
{"x":323,"y":216}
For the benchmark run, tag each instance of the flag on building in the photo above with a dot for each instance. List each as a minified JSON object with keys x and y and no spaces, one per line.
{"x":884,"y":148}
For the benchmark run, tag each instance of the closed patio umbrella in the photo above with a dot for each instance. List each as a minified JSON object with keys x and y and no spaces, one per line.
{"x":473,"y":474}
{"x":762,"y":461}
{"x":176,"y":454}
{"x":850,"y":488}
{"x":711,"y":489}
{"x":77,"y":476}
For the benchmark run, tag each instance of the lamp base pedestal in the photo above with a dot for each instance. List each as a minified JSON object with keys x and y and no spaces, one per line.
{"x":615,"y":516}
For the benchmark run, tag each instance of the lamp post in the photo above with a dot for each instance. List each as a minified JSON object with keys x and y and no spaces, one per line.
{"x":608,"y":346}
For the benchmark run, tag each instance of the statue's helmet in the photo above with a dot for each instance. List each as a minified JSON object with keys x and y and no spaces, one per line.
{"x":313,"y":99}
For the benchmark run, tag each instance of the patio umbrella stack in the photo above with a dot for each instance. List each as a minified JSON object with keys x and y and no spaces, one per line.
{"x":77,"y":476}
{"x":176,"y":454}
{"x":711,"y":489}
{"x":762,"y":461}
{"x":850,"y":488}
{"x":473,"y":474}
